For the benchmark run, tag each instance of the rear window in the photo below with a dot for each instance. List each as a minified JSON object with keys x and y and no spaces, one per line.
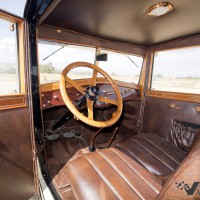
{"x":177,"y":70}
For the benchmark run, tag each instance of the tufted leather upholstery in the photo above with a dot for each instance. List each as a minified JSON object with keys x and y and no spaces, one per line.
{"x":153,"y":152}
{"x":110,"y":174}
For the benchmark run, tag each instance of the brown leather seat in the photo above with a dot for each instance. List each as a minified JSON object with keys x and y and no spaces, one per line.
{"x":153,"y":152}
{"x":111,"y":174}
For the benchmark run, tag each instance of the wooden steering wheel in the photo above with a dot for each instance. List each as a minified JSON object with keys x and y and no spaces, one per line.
{"x":92,"y":95}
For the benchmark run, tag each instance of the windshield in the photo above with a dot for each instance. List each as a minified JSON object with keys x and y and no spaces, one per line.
{"x":54,"y":57}
{"x":123,"y":67}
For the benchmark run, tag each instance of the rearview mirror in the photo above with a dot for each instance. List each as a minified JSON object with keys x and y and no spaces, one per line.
{"x":101,"y":56}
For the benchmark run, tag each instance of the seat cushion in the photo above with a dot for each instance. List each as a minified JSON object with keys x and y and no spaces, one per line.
{"x":153,"y":152}
{"x":110,"y":174}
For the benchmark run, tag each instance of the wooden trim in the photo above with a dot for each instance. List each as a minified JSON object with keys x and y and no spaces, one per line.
{"x":143,"y":71}
{"x":90,"y":46}
{"x":10,"y":17}
{"x":84,"y":82}
{"x":174,"y":96}
{"x":143,"y":75}
{"x":128,"y":85}
{"x":151,"y":62}
{"x":12,"y":101}
{"x":176,"y":44}
{"x":21,"y":32}
{"x":67,"y":36}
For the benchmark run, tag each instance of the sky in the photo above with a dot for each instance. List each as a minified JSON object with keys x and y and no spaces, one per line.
{"x":178,"y":63}
{"x":13,"y":6}
{"x":8,"y":38}
{"x":8,"y":43}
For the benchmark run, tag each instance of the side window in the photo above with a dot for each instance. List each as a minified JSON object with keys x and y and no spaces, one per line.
{"x":122,"y":67}
{"x":54,"y":57}
{"x":177,"y":71}
{"x":12,"y":71}
{"x":9,"y":66}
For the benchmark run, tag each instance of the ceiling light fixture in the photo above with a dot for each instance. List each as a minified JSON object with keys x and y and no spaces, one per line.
{"x":159,"y":9}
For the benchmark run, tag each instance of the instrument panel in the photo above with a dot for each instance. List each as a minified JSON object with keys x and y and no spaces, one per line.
{"x":53,"y":98}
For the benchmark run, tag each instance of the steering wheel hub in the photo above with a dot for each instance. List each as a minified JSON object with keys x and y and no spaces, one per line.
{"x":92,"y":93}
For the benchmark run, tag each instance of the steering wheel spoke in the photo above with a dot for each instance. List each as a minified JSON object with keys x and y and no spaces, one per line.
{"x":107,"y":100}
{"x":94,"y":78}
{"x":73,"y":83}
{"x":90,"y":104}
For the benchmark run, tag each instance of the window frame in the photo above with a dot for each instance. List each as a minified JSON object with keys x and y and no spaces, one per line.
{"x":11,"y":101}
{"x":180,"y":96}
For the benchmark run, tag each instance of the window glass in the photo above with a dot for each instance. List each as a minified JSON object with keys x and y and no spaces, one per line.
{"x":13,"y":7}
{"x":177,"y":70}
{"x":123,"y":67}
{"x":54,"y":57}
{"x":9,"y":76}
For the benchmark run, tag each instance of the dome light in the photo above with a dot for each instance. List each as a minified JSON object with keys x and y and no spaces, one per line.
{"x":159,"y":9}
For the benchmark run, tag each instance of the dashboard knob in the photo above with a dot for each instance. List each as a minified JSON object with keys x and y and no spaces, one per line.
{"x":55,"y":97}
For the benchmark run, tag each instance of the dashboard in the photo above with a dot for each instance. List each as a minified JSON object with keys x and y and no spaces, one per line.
{"x":51,"y":96}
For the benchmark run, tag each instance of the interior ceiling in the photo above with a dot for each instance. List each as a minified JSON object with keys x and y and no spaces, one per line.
{"x":126,"y":20}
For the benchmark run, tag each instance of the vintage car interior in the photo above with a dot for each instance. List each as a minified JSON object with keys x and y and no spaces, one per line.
{"x":100,"y":100}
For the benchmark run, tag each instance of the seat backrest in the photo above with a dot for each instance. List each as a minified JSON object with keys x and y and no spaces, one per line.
{"x":185,"y":183}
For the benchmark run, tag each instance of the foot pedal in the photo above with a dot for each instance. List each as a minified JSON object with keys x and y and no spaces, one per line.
{"x":70,"y":134}
{"x":52,"y":137}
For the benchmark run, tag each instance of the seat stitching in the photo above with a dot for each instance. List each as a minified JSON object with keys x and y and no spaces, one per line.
{"x":162,"y":150}
{"x":147,"y":151}
{"x":134,"y":156}
{"x":146,"y":181}
{"x":176,"y":151}
{"x":130,"y":155}
{"x":121,"y":175}
{"x":104,"y":179}
{"x":153,"y":155}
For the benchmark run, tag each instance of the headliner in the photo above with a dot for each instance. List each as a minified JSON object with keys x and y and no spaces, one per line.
{"x":126,"y":20}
